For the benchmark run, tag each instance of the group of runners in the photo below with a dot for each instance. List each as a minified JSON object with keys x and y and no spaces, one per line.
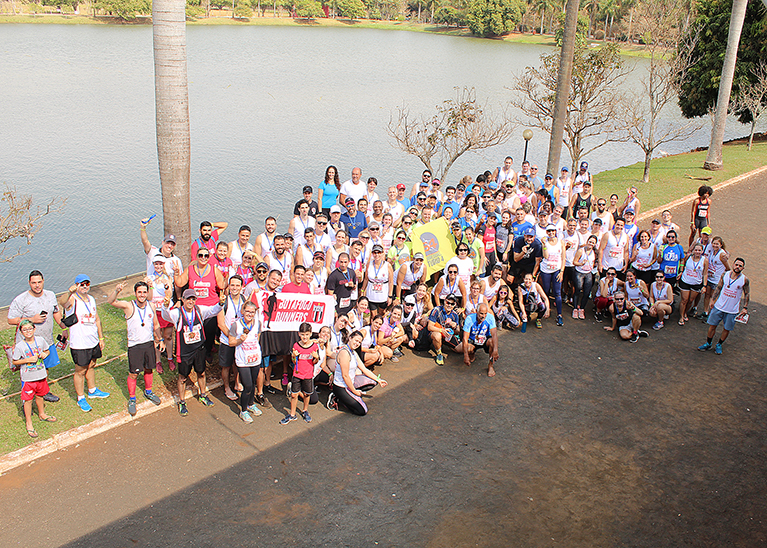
{"x":523,"y":246}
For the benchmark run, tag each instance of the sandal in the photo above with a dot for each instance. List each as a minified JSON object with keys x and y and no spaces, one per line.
{"x":48,"y":418}
{"x":681,"y":321}
{"x":32,"y":433}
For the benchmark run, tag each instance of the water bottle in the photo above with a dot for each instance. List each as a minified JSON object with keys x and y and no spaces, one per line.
{"x":62,"y":344}
{"x":524,"y":326}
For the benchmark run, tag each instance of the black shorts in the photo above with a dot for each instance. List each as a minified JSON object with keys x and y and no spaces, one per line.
{"x":701,"y":222}
{"x":485,"y":347}
{"x":684,"y":286}
{"x":141,"y":357}
{"x":302,"y":385}
{"x":196,"y":361}
{"x":452,"y":342}
{"x":83,"y":357}
{"x":377,"y":306}
{"x":225,"y":355}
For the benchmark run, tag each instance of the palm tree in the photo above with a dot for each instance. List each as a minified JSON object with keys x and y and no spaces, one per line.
{"x":542,"y":6}
{"x":714,"y":156}
{"x":172,"y":114}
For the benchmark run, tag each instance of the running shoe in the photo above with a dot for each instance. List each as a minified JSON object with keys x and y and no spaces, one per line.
{"x":693,"y":311}
{"x":399,"y":353}
{"x":634,"y":338}
{"x":560,"y":321}
{"x":159,"y":368}
{"x":598,"y":317}
{"x":51,"y":397}
{"x":132,"y":407}
{"x":269,"y":389}
{"x":262,"y":401}
{"x":718,"y":349}
{"x":704,"y":317}
{"x":151,"y":396}
{"x":332,"y":405}
{"x":394,"y":359}
{"x":98,"y":394}
{"x":575,"y":314}
{"x":581,"y":314}
{"x":307,"y":417}
{"x":253,"y":410}
{"x":245,"y":416}
{"x":440,"y":359}
{"x":182,"y":410}
{"x":538,"y":324}
{"x":284,"y":380}
{"x":205,"y":400}
{"x":704,"y":347}
{"x":84,"y":405}
{"x":288,"y":418}
{"x":657,"y":326}
{"x":643,"y":334}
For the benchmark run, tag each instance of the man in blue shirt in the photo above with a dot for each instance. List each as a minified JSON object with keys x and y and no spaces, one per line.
{"x":535,"y":179}
{"x":354,"y":220}
{"x":479,"y":331}
{"x":519,"y":225}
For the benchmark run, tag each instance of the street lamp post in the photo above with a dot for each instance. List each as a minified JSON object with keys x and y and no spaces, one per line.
{"x":527,"y":134}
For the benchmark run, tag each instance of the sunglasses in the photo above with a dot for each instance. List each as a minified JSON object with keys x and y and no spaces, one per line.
{"x":260,"y":271}
{"x":408,"y":223}
{"x":463,"y":250}
{"x":374,"y":229}
{"x":203,"y":255}
{"x":364,"y":237}
{"x":322,"y":222}
{"x":452,"y":272}
{"x":401,"y":238}
{"x":377,"y":252}
{"x":85,"y":284}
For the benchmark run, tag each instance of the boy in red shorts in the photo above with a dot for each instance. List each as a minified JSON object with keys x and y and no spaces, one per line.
{"x":305,"y":354}
{"x":28,"y":356}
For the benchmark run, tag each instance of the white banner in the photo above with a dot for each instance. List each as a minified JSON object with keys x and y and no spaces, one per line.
{"x":287,"y":311}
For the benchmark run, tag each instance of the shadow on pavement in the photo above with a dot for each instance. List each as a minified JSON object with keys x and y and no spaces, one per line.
{"x":592,"y":442}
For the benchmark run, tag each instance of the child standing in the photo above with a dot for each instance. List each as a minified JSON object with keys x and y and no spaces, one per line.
{"x":28,"y":355}
{"x":305,"y":354}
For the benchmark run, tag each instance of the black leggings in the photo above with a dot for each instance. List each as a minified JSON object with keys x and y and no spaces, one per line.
{"x":583,"y":283}
{"x":353,"y":403}
{"x":321,"y":378}
{"x":211,"y":334}
{"x":248,"y":379}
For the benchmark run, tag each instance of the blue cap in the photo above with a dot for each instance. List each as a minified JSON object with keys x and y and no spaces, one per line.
{"x":529,"y":232}
{"x":493,"y":185}
{"x":565,"y":168}
{"x":82,"y":278}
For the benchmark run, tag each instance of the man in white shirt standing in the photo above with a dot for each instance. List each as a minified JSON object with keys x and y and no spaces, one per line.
{"x":353,"y":188}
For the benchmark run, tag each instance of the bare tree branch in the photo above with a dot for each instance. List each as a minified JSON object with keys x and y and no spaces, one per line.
{"x":753,"y":98}
{"x":460,"y":125}
{"x":19,"y":218}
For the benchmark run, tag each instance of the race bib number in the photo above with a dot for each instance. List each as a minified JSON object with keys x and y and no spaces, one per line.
{"x":201,"y":292}
{"x":252,"y":353}
{"x":616,"y":252}
{"x":193,"y":336}
{"x":88,"y":319}
{"x":345,"y":302}
{"x":377,"y":287}
{"x":480,"y":340}
{"x":702,"y":212}
{"x":729,"y":293}
{"x":669,"y":270}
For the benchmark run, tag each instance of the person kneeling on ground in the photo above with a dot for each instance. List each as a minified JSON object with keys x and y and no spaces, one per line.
{"x":533,"y":302}
{"x":626,"y":317}
{"x":351,"y":379}
{"x":479,"y":331}
{"x":443,"y":327}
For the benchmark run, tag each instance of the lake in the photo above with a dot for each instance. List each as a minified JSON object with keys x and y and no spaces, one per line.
{"x":271,"y":107}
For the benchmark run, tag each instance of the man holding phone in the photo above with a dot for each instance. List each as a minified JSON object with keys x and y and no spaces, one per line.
{"x":39,"y":306}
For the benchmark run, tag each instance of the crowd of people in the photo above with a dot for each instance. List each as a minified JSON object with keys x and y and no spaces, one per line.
{"x":523,"y":247}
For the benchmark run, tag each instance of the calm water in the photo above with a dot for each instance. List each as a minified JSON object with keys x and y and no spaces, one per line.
{"x":270,"y":109}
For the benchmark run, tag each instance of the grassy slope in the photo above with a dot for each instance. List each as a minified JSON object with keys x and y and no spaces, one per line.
{"x":667,"y":175}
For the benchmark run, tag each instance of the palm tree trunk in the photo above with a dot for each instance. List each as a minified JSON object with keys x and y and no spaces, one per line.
{"x":563,"y":85}
{"x":714,"y":156}
{"x":631,"y":20}
{"x":172,"y":114}
{"x":543,"y":18}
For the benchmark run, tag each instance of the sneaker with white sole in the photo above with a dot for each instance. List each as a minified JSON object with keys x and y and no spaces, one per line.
{"x":245,"y":416}
{"x":98,"y":393}
{"x":254,"y":410}
{"x":288,"y":418}
{"x":84,"y":405}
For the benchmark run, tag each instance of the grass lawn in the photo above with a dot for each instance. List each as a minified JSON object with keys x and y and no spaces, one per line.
{"x":667,"y":175}
{"x":111,"y":378}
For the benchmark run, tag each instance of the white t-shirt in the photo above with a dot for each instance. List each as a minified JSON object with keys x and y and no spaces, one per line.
{"x":350,"y":190}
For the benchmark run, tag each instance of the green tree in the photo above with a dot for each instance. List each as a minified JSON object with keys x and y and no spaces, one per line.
{"x":490,"y":18}
{"x":351,"y":9}
{"x":581,"y":34}
{"x":448,"y":16}
{"x":700,"y":86}
{"x":124,"y":9}
{"x":308,"y":9}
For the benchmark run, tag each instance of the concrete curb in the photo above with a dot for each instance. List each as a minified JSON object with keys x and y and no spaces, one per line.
{"x":655,"y":212}
{"x":76,"y":435}
{"x":65,"y":439}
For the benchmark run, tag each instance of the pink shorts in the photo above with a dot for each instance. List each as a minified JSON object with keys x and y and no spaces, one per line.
{"x":34,"y":388}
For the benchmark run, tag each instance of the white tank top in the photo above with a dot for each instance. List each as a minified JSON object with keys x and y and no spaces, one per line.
{"x":574,"y":244}
{"x":410,"y":277}
{"x":635,"y":295}
{"x":248,"y":352}
{"x":491,"y":290}
{"x":307,"y":254}
{"x":614,"y":251}
{"x":84,"y":335}
{"x":140,"y":325}
{"x":237,"y":252}
{"x":564,"y":189}
{"x":471,"y":306}
{"x":266,"y":249}
{"x":553,"y":263}
{"x":448,"y":288}
{"x":338,"y":377}
{"x":588,"y":265}
{"x":732,"y":291}
{"x":715,"y":267}
{"x":693,"y":272}
{"x":660,"y":293}
{"x":377,"y":290}
{"x":231,"y":315}
{"x":504,"y":176}
{"x":284,"y":265}
{"x":300,"y":226}
{"x":318,"y":282}
{"x":644,"y":257}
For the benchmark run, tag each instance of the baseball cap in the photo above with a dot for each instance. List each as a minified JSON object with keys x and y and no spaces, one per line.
{"x":418,"y":255}
{"x":493,"y":185}
{"x":159,"y":258}
{"x":421,"y":195}
{"x":307,"y":188}
{"x":529,"y":232}
{"x":565,"y":168}
{"x":451,"y":298}
{"x":584,"y":165}
{"x":374,"y":224}
{"x":170,"y":238}
{"x":436,"y":182}
{"x":262,"y":264}
{"x":423,"y":183}
{"x":349,"y":201}
{"x":189,"y":294}
{"x":460,"y":186}
{"x":629,"y":210}
{"x":657,"y":222}
{"x":336,"y":208}
{"x":550,"y":227}
{"x":586,"y":183}
{"x":377,"y":247}
{"x":320,"y":254}
{"x":287,"y":236}
{"x":706,"y":230}
{"x":401,"y":187}
{"x":549,"y":176}
{"x":82,"y":278}
{"x":410,"y":299}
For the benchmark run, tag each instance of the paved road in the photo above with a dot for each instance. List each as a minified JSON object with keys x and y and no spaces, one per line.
{"x":580,"y":440}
